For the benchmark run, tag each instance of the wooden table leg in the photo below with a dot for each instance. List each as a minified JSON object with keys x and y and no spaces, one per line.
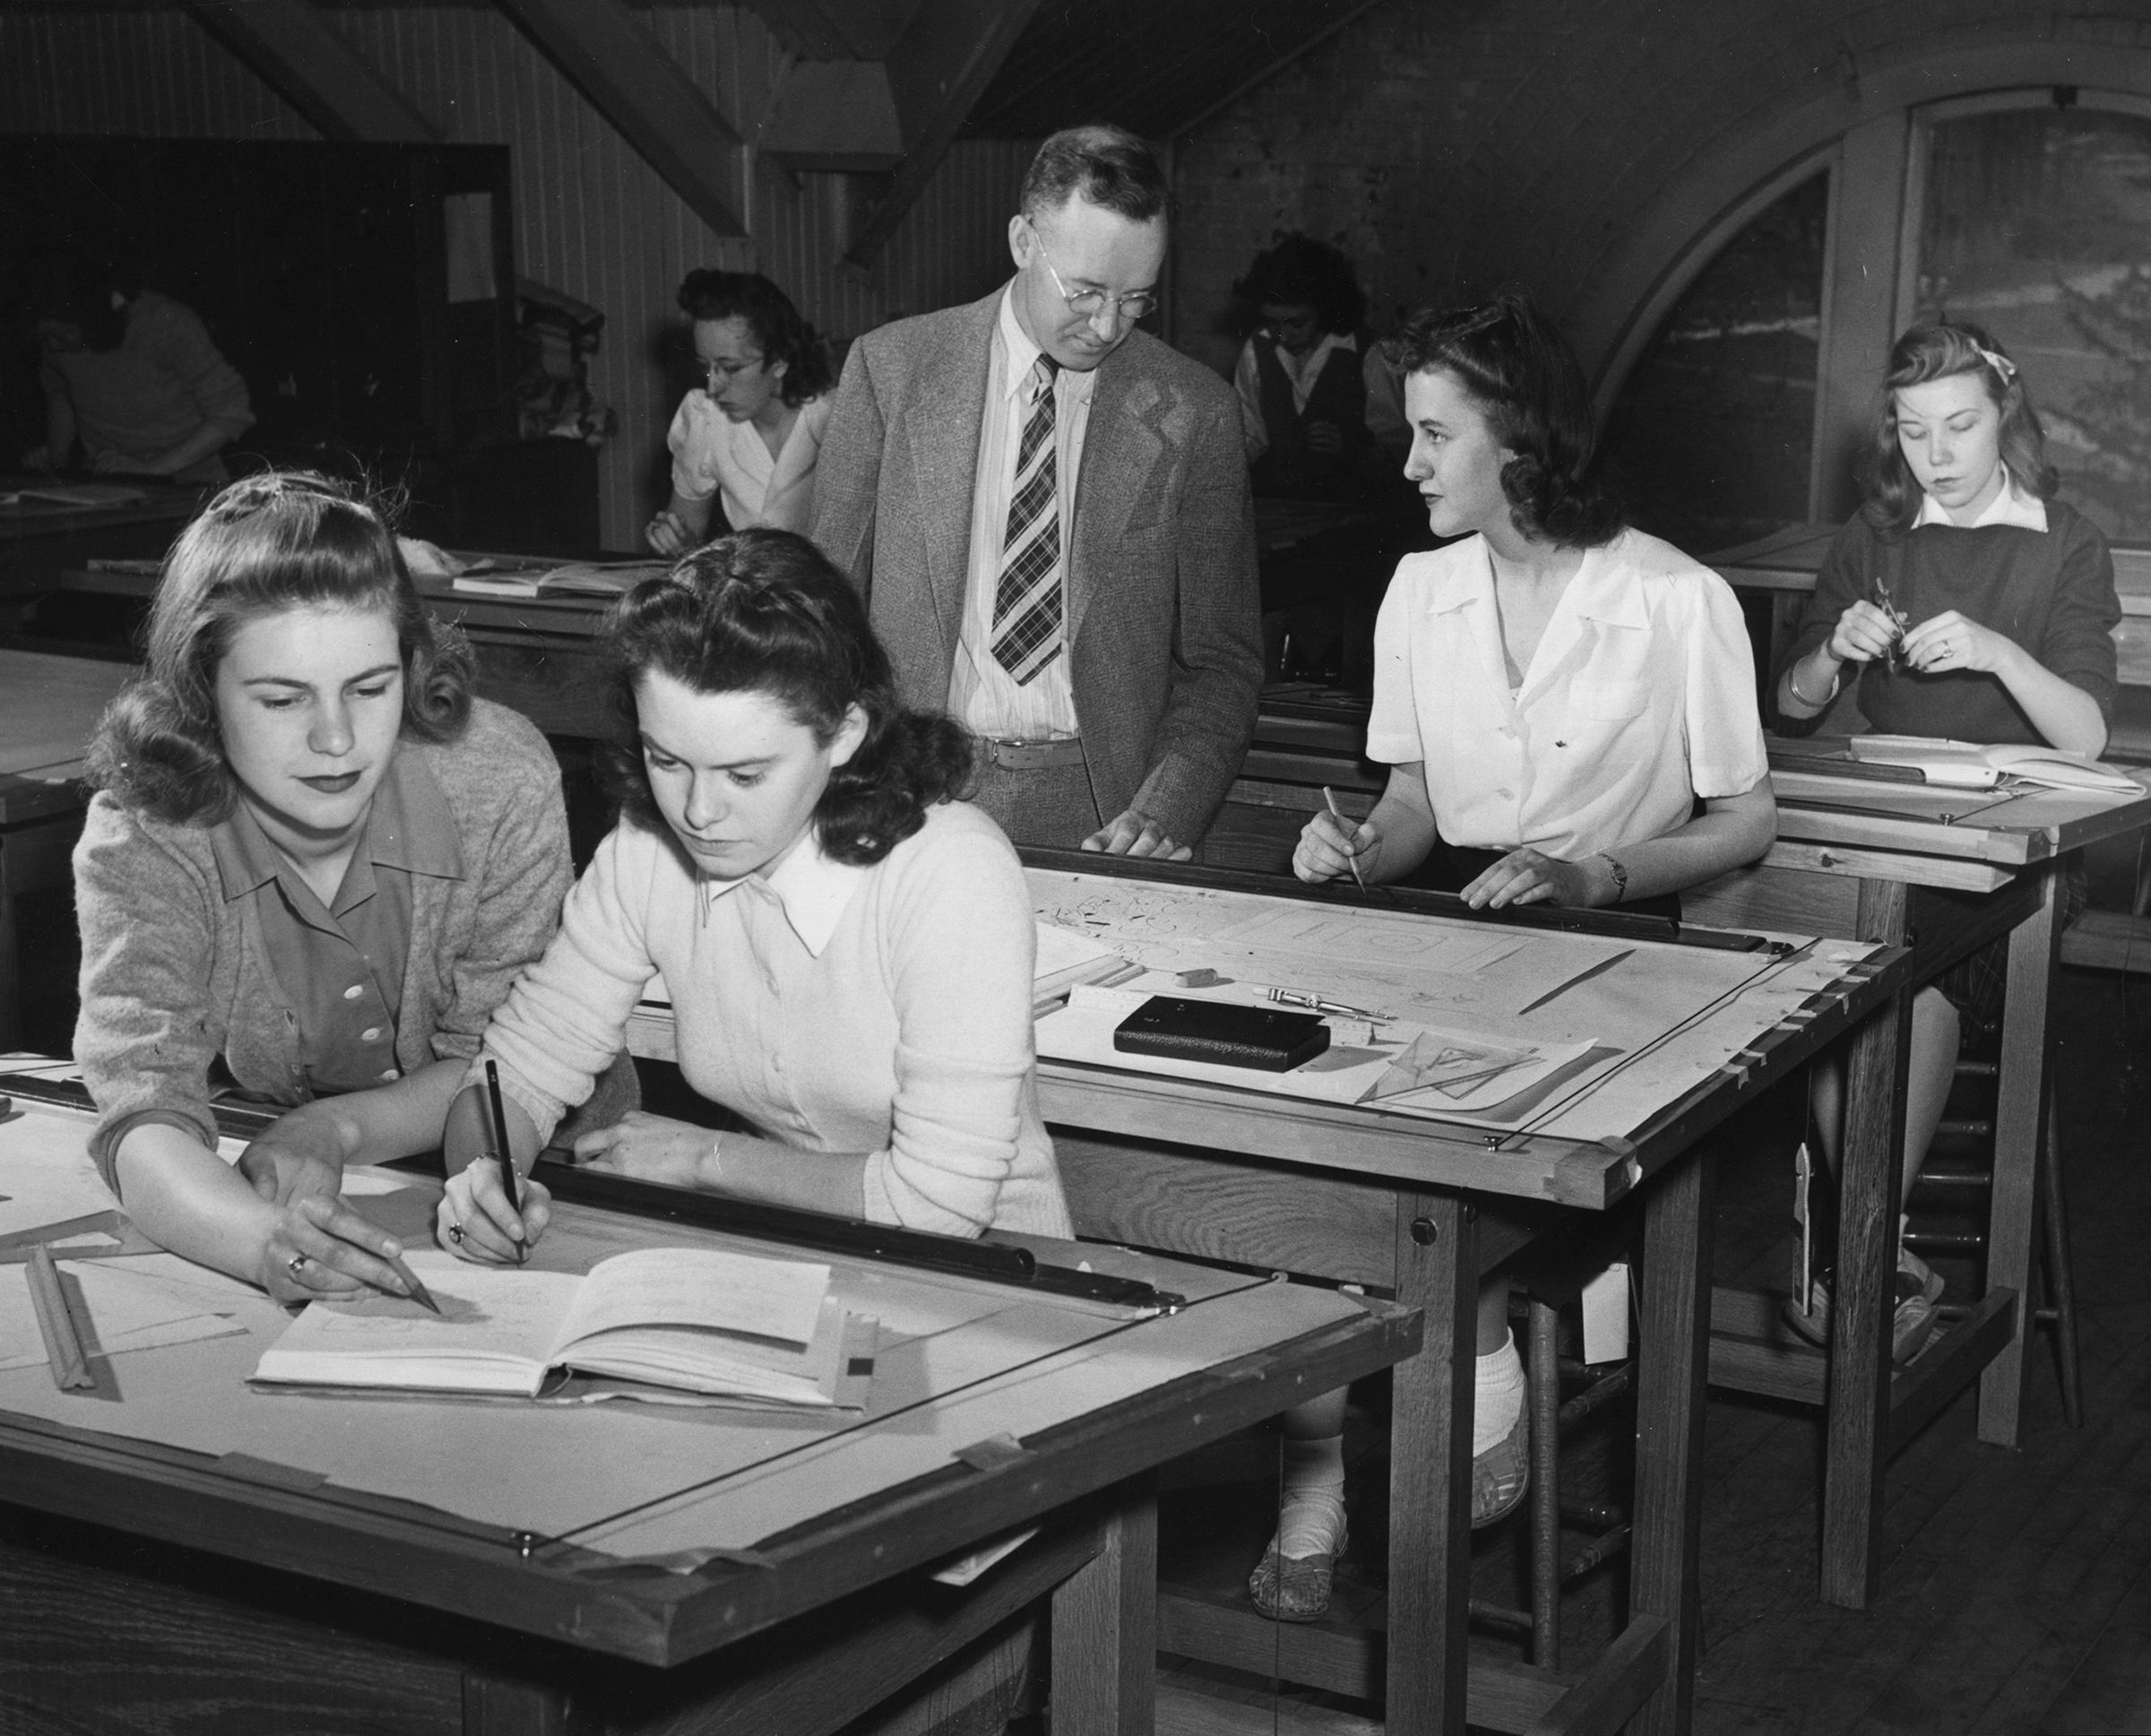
{"x":1857,"y":1424}
{"x":2019,"y":1106}
{"x":1105,"y":1625}
{"x":1430,"y":1468}
{"x":1672,"y":1368}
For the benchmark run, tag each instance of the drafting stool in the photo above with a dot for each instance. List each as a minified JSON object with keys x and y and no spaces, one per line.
{"x":1548,"y":1279}
{"x":2060,"y":1310}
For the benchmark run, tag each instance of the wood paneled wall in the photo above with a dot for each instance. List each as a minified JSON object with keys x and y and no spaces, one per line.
{"x":591,"y":219}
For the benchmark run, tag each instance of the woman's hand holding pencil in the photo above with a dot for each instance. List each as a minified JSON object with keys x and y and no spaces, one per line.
{"x":1331,"y":847}
{"x":487,"y":1216}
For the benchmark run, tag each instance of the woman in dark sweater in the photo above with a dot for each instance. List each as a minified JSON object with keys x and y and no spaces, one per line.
{"x":1972,"y":606}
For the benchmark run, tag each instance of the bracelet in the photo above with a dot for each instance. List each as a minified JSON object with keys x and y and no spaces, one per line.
{"x":1620,"y":876}
{"x":1792,"y":687}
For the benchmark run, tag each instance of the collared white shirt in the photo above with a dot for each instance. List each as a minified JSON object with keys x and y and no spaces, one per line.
{"x":982,"y":696}
{"x":2011,"y":505}
{"x":811,"y":888}
{"x":711,"y":454}
{"x":1640,"y":698}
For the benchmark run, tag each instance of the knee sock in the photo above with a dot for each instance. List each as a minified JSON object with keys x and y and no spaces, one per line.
{"x":1311,"y":1521}
{"x":1498,"y":1396}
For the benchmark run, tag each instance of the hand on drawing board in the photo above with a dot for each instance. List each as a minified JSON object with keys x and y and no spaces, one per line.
{"x":1133,"y":833}
{"x":652,"y":1148}
{"x":474,"y":1221}
{"x":1328,"y":846}
{"x":1529,"y":876}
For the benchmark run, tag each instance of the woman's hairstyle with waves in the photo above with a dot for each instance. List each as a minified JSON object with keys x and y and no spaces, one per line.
{"x":278,"y":541}
{"x":763,"y":611}
{"x":1935,"y":350}
{"x":1521,"y":372}
{"x":779,"y":332}
{"x":1300,"y":271}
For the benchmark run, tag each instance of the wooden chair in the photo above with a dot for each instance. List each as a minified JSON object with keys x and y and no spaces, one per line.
{"x":1957,"y":1181}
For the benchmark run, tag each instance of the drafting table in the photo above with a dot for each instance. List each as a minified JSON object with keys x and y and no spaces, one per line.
{"x":420,"y":1563}
{"x":48,"y":706}
{"x":40,"y":540}
{"x":1941,"y":873}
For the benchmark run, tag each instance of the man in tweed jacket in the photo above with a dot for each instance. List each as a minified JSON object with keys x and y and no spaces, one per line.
{"x":1129,"y":741}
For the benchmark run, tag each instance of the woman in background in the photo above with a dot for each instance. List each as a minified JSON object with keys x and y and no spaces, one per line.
{"x":313,"y":867}
{"x":1319,"y":410}
{"x":753,"y":434}
{"x":1974,"y":606}
{"x":134,"y":377}
{"x":848,"y":947}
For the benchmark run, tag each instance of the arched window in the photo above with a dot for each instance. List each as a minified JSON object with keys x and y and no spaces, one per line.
{"x":1712,"y":433}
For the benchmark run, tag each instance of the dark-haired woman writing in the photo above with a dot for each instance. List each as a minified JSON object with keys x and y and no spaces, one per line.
{"x":848,"y":950}
{"x":313,"y":868}
{"x":1553,"y":694}
{"x":753,"y":435}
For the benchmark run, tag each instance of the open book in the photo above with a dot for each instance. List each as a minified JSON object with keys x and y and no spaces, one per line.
{"x":700,"y":1320}
{"x":1968,"y":765}
{"x":575,"y":579}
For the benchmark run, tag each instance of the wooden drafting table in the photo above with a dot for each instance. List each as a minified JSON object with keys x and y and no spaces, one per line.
{"x":48,"y":706}
{"x":1421,"y":1208}
{"x":480,"y":1566}
{"x":1942,"y":873}
{"x":41,"y":539}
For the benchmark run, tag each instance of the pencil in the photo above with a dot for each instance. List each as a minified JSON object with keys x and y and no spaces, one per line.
{"x":1330,"y":798}
{"x":417,"y":1291}
{"x":500,"y":1145}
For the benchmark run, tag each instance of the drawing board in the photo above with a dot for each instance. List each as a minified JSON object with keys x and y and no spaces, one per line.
{"x":961,"y":1362}
{"x":1610,"y":1029}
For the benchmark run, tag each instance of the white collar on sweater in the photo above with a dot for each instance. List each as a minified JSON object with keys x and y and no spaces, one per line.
{"x":811,"y":888}
{"x":2011,"y":505}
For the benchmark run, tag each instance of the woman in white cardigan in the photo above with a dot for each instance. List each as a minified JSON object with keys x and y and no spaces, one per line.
{"x":849,"y":951}
{"x":752,"y":433}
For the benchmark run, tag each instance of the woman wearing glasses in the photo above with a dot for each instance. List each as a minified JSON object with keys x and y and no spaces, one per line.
{"x":753,"y":432}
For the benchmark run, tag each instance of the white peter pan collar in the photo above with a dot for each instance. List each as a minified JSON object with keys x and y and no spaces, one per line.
{"x":2011,"y":506}
{"x":812,"y":889}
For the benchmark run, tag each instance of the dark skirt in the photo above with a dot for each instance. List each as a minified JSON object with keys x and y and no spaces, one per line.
{"x":1975,"y":985}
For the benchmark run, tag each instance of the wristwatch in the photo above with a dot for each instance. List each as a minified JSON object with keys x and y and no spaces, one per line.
{"x":1620,"y":876}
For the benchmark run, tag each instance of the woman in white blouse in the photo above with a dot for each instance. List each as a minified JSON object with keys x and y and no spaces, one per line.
{"x":753,"y":434}
{"x":1554,"y":694}
{"x":849,"y":950}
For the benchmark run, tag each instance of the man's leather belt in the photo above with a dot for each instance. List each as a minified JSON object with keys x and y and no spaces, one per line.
{"x":1031,"y":755}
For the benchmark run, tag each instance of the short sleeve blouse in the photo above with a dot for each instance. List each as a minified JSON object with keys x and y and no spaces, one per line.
{"x":1639,"y":698}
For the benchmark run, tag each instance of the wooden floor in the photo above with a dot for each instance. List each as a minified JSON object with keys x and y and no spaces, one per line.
{"x":2016,"y":1587}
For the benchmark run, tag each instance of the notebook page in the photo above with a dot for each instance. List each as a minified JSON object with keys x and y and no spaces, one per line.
{"x":697,"y":1287}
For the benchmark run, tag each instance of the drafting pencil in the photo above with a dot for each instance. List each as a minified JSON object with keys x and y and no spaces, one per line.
{"x":1330,"y":798}
{"x":500,"y":1145}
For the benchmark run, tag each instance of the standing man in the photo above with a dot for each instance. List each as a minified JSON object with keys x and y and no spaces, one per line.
{"x":1048,"y":511}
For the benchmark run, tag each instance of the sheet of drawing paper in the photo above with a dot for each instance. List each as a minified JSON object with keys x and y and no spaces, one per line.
{"x":45,"y":1174}
{"x":1064,"y":949}
{"x":1651,"y":1025}
{"x":127,"y":1311}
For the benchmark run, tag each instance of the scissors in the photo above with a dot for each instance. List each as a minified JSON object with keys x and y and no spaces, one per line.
{"x":1899,"y":618}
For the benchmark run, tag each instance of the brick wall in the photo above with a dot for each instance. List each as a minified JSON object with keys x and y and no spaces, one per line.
{"x":1449,"y":145}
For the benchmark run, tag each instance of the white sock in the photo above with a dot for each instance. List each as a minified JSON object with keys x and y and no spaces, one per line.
{"x":1310,"y":1520}
{"x":1497,"y":1396}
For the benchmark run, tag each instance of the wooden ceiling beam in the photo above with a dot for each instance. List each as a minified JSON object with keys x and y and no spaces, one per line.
{"x":838,"y":29}
{"x":937,"y":71}
{"x":645,"y":95}
{"x":314,"y":69}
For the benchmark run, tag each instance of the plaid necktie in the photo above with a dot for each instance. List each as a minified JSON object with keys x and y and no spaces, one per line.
{"x":1026,"y":603}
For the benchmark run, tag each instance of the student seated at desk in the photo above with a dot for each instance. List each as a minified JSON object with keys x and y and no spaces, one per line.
{"x":754,"y":435}
{"x":1554,"y":694}
{"x":849,"y":950}
{"x":313,"y":867}
{"x":1975,"y":607}
{"x":134,"y":376}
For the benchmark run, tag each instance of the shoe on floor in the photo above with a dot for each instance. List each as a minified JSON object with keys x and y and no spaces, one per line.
{"x":1289,"y":1589}
{"x":1918,"y":1288}
{"x":1502,"y":1473}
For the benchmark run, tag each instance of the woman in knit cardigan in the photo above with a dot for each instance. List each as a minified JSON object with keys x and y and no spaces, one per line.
{"x":848,"y":949}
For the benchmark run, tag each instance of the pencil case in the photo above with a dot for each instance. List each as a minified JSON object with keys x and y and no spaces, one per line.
{"x":1224,"y":1033}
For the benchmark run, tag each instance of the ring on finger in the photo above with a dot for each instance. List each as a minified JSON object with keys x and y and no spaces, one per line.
{"x":295,"y":1265}
{"x":455,"y":1234}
